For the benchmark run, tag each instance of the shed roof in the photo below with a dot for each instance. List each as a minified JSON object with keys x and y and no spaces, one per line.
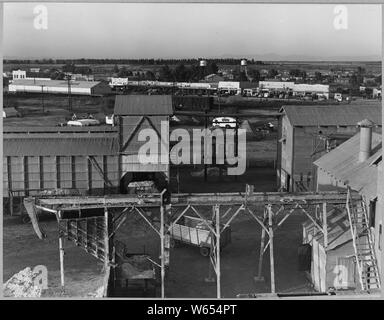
{"x":331,"y":115}
{"x":143,"y":105}
{"x":55,"y":83}
{"x":60,"y":146}
{"x":338,"y":229}
{"x":343,"y":164}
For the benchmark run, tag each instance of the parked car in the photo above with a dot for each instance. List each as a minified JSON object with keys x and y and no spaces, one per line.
{"x":224,"y":122}
{"x":83,"y":122}
{"x":338,"y":97}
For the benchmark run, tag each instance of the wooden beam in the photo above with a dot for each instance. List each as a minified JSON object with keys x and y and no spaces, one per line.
{"x":57,"y":165}
{"x":261,"y":253}
{"x":73,"y":171}
{"x":9,"y":173}
{"x":26,"y":175}
{"x":89,"y":174}
{"x":162,"y":235}
{"x":41,"y":172}
{"x":106,"y":239}
{"x":147,"y":221}
{"x":218,"y":263}
{"x":61,"y":251}
{"x":325,"y":225}
{"x":209,"y":199}
{"x":271,"y":253}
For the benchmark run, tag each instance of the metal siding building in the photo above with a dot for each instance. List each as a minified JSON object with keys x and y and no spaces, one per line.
{"x":307,"y":131}
{"x":341,"y":168}
{"x":137,"y":113}
{"x":59,"y":86}
{"x":93,"y":160}
{"x":34,"y":160}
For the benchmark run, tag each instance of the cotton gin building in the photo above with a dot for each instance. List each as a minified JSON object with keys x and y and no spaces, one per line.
{"x":136,"y":113}
{"x":308,"y":132}
{"x":45,"y":158}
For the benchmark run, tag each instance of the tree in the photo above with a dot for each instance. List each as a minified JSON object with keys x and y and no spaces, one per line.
{"x":254,"y":74}
{"x":211,"y":68}
{"x":272,"y":73}
{"x":181,"y":73}
{"x":115,"y":69}
{"x":166,"y":73}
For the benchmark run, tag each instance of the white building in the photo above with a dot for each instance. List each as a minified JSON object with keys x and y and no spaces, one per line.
{"x":229,"y":87}
{"x":313,"y":89}
{"x":276,"y":85}
{"x":118,"y":82}
{"x":376,"y":93}
{"x":59,"y":86}
{"x":19,"y":74}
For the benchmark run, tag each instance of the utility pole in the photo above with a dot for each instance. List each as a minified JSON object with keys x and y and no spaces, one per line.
{"x":69,"y":93}
{"x":42,"y":97}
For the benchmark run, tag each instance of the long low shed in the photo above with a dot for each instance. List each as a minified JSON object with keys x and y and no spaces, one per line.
{"x":59,"y":86}
{"x":85,"y":161}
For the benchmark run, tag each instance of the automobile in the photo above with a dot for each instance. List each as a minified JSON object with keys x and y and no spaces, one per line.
{"x":110,"y":120}
{"x":224,"y":122}
{"x":338,"y":97}
{"x":83,"y":122}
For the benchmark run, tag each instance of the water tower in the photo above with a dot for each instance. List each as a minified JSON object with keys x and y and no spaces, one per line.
{"x":203,"y":65}
{"x":243,"y":66}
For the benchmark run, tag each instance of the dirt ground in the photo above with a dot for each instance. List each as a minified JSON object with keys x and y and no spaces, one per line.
{"x":22,"y":248}
{"x":187,"y":270}
{"x":239,"y":260}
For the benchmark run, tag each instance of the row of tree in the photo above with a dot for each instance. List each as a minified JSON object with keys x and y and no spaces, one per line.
{"x":181,"y":72}
{"x":225,"y":61}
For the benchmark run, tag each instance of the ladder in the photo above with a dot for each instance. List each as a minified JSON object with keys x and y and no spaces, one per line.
{"x":363,"y":244}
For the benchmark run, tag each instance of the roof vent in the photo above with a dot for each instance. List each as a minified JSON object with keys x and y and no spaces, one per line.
{"x":366,"y":126}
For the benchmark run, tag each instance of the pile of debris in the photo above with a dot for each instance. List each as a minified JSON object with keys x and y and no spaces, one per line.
{"x":23,"y":284}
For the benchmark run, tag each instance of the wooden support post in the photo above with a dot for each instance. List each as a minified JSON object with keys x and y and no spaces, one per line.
{"x":106,"y":239}
{"x":9,"y":173}
{"x":325,"y":225}
{"x":162,"y":210}
{"x":41,"y":172}
{"x":205,"y":147}
{"x":73,"y":172}
{"x":26,"y":178}
{"x":261,"y":254}
{"x":218,"y":271}
{"x":272,"y":263}
{"x":58,"y":176}
{"x":61,"y":251}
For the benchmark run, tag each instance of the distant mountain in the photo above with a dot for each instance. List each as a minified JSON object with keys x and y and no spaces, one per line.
{"x":296,"y":57}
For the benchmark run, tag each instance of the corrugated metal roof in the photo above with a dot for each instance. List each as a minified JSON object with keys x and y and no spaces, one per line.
{"x":331,"y":114}
{"x":55,"y":129}
{"x":343,"y":164}
{"x":143,"y":105}
{"x":55,"y":83}
{"x":60,"y":146}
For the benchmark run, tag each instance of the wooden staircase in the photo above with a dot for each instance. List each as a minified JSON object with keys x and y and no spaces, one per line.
{"x":363,"y":244}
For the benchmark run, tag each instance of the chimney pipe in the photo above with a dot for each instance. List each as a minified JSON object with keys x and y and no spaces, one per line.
{"x":366,"y":126}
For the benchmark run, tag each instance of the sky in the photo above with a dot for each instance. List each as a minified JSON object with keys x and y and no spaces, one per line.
{"x":133,"y":30}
